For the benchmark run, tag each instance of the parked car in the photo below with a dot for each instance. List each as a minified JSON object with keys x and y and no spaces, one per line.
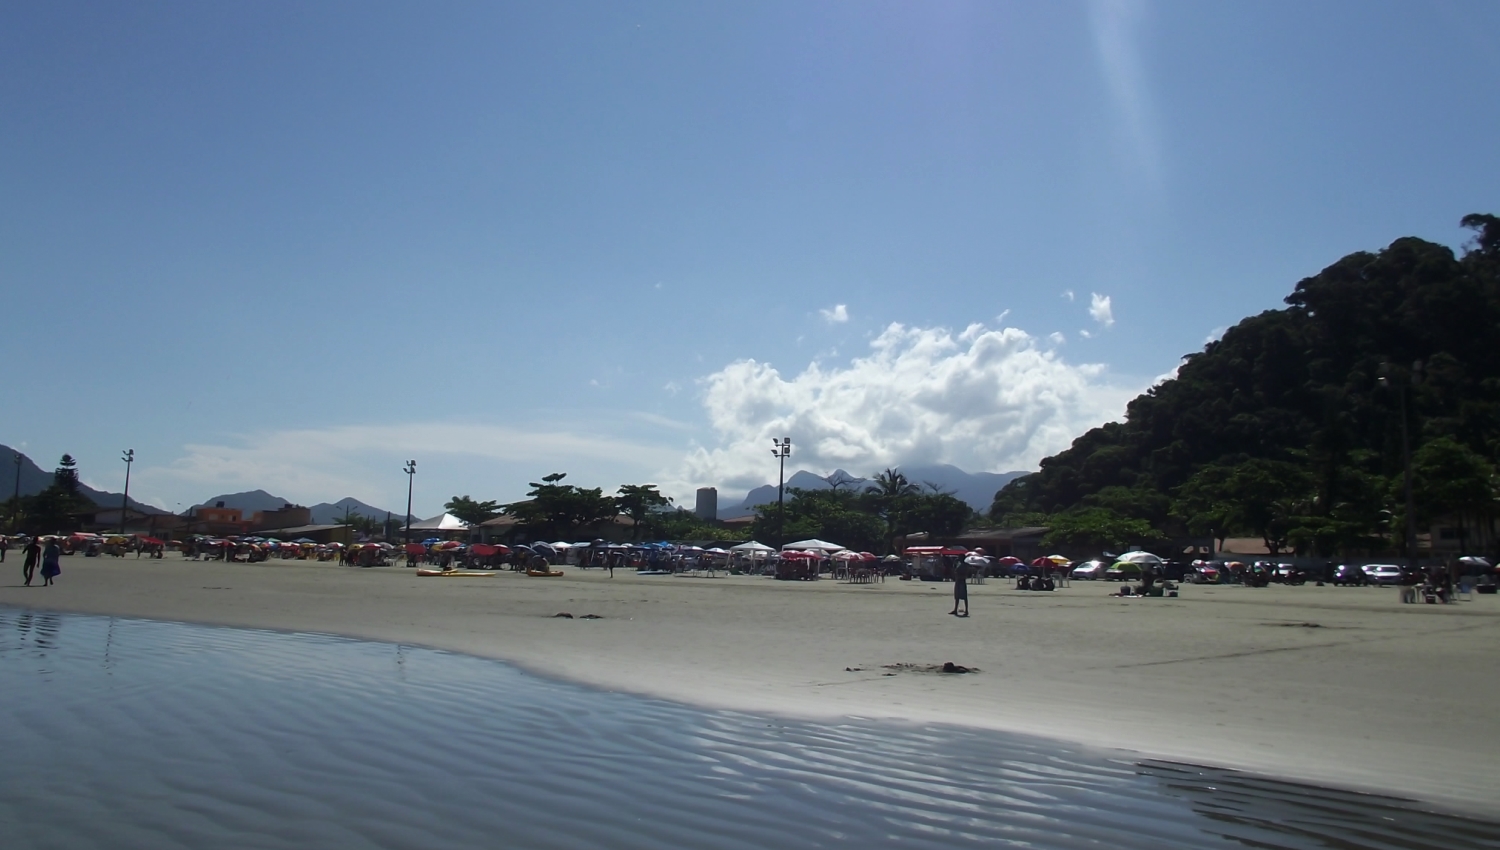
{"x":1123,"y":571}
{"x":1090,"y":570}
{"x":1289,"y":574}
{"x":1205,"y":573}
{"x":1349,"y":575}
{"x":1383,"y":573}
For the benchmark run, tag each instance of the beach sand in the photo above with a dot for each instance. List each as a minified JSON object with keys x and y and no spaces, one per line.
{"x":1339,"y":686}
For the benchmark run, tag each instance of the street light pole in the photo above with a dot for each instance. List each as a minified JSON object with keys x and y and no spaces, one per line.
{"x":15,"y":504}
{"x":411,"y":471}
{"x":1388,"y":378}
{"x":129,"y":458}
{"x":782,"y":449}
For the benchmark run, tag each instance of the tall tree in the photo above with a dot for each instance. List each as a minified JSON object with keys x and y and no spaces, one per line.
{"x":471,"y":511}
{"x":65,"y":477}
{"x":891,"y":497}
{"x":555,"y":510}
{"x":637,"y":502}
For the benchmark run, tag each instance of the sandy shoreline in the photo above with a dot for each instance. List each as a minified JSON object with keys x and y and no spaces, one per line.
{"x":1377,"y":696}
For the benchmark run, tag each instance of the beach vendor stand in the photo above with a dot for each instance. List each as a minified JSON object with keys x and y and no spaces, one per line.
{"x":751,"y":556}
{"x":798,"y":566}
{"x":935,"y":563}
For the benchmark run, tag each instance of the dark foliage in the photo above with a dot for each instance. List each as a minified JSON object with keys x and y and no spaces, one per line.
{"x":1284,"y":429}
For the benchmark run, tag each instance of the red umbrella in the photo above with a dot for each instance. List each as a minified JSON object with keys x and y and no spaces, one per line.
{"x":1009,"y":561}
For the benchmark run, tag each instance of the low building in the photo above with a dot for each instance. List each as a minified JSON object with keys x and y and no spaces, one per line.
{"x":1024,"y":543}
{"x":284,"y":517}
{"x":315,"y":533}
{"x":160,"y":525}
{"x":507,"y":529}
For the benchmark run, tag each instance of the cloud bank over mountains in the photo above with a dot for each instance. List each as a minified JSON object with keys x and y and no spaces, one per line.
{"x":986,"y":398}
{"x":982,"y":399}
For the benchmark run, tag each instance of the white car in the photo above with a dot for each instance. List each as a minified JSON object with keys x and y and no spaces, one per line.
{"x":1383,"y":573}
{"x":1092,"y":570}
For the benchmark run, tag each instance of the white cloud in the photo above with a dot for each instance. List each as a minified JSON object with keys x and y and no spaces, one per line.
{"x":982,"y":399}
{"x":1216,"y":334}
{"x":311,"y":465}
{"x":1101,"y":309}
{"x":1057,"y":338}
{"x":672,"y":387}
{"x":835,"y":316}
{"x":1068,"y":294}
{"x":1117,"y":25}
{"x":1086,"y":333}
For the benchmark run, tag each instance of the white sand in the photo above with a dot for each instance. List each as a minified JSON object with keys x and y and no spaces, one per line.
{"x":1381,"y":696}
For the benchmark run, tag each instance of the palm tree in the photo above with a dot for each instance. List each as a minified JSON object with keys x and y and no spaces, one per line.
{"x":889,"y":494}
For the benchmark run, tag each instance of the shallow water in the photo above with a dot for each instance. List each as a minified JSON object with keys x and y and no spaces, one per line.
{"x":129,"y":733}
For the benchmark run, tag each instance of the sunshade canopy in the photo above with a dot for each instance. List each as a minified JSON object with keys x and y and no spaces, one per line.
{"x":814,"y":543}
{"x":443,"y":522}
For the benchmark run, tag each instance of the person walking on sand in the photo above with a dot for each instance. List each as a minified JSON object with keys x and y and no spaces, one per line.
{"x":4,"y":547}
{"x":51,"y":567}
{"x":960,"y":588}
{"x":33,"y":553}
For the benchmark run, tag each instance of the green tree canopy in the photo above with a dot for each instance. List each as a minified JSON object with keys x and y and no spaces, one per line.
{"x":470,"y":511}
{"x":1098,"y":529}
{"x":1298,"y":388}
{"x":637,"y":501}
{"x":558,"y":511}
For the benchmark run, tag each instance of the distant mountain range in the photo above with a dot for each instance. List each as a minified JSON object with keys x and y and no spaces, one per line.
{"x":34,"y":480}
{"x":323,"y":513}
{"x":977,"y":489}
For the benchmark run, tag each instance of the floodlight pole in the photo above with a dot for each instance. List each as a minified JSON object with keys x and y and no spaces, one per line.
{"x":783,"y":448}
{"x":411,"y":471}
{"x":129,"y":458}
{"x":15,"y":505}
{"x":1391,"y":379}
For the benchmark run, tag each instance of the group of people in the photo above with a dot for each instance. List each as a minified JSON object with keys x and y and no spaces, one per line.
{"x":35,"y":554}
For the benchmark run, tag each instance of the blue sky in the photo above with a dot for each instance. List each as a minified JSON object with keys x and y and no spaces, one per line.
{"x":290,"y":245}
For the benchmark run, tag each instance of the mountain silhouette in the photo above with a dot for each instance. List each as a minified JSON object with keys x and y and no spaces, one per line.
{"x":976,"y":489}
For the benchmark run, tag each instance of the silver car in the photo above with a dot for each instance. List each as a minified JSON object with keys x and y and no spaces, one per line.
{"x":1383,"y":573}
{"x":1091,"y":570}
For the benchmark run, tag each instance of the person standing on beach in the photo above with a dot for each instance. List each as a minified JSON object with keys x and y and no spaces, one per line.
{"x":4,"y":546}
{"x":960,"y":588}
{"x":33,"y":553}
{"x":51,"y":566}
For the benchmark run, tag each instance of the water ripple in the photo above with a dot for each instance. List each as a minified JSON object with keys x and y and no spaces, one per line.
{"x":127,"y":733}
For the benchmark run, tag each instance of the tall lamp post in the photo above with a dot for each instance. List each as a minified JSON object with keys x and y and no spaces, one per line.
{"x":129,"y":458}
{"x":411,"y":471}
{"x":1394,"y":379}
{"x":15,"y":499}
{"x":782,"y":450}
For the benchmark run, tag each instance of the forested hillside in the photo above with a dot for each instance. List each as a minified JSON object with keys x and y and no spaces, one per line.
{"x":1289,"y":427}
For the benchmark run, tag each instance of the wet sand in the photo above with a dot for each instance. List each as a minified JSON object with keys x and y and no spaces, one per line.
{"x":1331,"y":685}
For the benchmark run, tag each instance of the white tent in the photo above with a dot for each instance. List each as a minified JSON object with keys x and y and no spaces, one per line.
{"x":752,"y":546}
{"x":443,"y":522}
{"x":1140,"y":558}
{"x":819,"y":545}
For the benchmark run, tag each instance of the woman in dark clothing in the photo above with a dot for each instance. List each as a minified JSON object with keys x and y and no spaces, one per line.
{"x":33,"y":554}
{"x":51,"y":568}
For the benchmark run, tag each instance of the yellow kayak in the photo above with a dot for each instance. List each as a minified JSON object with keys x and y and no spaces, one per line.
{"x":456,"y":573}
